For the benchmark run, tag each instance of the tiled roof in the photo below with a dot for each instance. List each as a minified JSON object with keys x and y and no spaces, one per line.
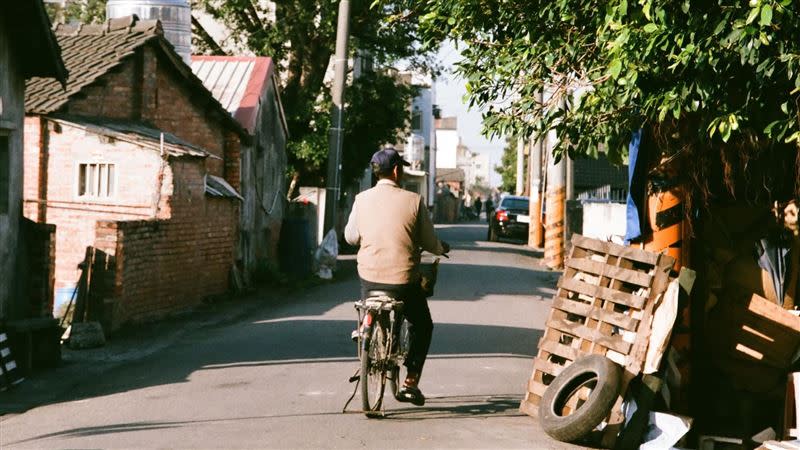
{"x":237,"y":82}
{"x":136,"y":134}
{"x":89,"y":52}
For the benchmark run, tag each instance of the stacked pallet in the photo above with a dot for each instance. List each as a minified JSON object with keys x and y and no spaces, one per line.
{"x":604,"y":305}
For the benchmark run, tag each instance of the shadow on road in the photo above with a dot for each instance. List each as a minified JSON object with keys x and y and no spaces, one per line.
{"x":293,"y":330}
{"x":454,"y":407}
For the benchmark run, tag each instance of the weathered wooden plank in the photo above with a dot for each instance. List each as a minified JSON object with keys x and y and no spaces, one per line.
{"x":527,"y":407}
{"x":618,"y":273}
{"x":547,"y":367}
{"x":614,"y":249}
{"x":536,"y":388}
{"x":615,"y":343}
{"x":623,"y":321}
{"x":770,"y":311}
{"x":622,"y":298}
{"x":554,"y":348}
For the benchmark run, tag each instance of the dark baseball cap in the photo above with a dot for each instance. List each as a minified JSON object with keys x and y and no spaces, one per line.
{"x":388,"y":158}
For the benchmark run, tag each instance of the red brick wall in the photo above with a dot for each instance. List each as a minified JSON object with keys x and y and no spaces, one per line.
{"x":167,"y":258}
{"x":166,"y":266}
{"x":150,"y":89}
{"x":137,"y":172}
{"x":114,"y":96}
{"x":183,"y":112}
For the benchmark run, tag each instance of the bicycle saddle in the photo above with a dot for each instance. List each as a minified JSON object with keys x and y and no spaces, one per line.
{"x":378,"y":293}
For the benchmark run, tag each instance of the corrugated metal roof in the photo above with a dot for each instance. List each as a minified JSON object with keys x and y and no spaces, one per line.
{"x":225,"y":78}
{"x":218,"y":187}
{"x":238,"y":83}
{"x":136,"y":134}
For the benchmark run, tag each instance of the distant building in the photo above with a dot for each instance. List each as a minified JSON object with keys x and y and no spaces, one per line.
{"x":419,"y":143}
{"x":447,"y":143}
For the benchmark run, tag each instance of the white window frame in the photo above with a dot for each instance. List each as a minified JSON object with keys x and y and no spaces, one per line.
{"x":100,"y":183}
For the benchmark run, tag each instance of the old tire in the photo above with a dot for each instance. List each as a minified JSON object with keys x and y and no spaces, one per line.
{"x":595,"y":372}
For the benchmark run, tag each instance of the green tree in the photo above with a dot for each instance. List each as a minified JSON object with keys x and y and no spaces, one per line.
{"x":508,"y":166}
{"x":85,"y":11}
{"x":719,"y":76}
{"x":302,"y":36}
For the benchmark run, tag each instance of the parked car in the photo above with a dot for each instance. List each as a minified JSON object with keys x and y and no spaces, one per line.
{"x":510,"y":219}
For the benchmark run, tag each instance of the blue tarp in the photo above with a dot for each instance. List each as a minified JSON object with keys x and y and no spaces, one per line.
{"x":636,"y":226}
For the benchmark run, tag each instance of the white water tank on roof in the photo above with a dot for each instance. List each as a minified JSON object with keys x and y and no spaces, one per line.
{"x":175,"y":17}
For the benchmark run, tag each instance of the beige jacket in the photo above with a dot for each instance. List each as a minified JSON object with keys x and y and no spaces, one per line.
{"x":392,"y":226}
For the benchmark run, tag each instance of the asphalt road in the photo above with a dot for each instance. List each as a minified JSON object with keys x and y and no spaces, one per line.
{"x":277,"y":378}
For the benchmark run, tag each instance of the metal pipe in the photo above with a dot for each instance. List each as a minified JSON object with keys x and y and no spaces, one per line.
{"x":520,"y":165}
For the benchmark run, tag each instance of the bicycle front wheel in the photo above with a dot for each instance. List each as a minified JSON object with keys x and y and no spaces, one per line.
{"x":373,"y":369}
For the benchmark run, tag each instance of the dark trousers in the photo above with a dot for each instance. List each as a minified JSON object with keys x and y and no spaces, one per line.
{"x":417,"y":314}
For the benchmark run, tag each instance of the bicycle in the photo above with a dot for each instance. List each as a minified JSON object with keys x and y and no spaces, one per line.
{"x":382,"y":347}
{"x":383,"y":341}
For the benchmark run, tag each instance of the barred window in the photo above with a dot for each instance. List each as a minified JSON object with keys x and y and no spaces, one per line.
{"x":96,"y":180}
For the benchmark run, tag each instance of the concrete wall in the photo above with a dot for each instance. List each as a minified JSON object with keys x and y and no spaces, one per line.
{"x":12,"y":88}
{"x":599,"y":220}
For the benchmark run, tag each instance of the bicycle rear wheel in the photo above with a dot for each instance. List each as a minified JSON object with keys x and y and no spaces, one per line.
{"x":373,"y":370}
{"x":401,"y":344}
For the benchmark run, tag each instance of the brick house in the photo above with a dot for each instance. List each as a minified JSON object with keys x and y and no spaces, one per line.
{"x":27,"y":48}
{"x":138,"y":160}
{"x":247,"y":86}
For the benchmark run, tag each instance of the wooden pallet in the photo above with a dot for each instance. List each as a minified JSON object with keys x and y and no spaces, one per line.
{"x":603,"y":305}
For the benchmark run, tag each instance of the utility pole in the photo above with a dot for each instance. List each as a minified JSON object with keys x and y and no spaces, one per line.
{"x":555,"y":200}
{"x":520,"y":165}
{"x":337,"y":117}
{"x":535,"y":232}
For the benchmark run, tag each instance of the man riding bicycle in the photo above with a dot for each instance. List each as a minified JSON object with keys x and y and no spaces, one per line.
{"x":392,"y":227}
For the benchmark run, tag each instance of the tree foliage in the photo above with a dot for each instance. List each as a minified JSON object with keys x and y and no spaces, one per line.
{"x":301,"y":34}
{"x":366,"y":128}
{"x":696,"y":73}
{"x":84,"y":11}
{"x":508,"y":166}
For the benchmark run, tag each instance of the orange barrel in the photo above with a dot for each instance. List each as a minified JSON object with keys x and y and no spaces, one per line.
{"x":670,"y":235}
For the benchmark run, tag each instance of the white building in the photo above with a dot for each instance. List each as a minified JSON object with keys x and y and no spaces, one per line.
{"x":447,"y":143}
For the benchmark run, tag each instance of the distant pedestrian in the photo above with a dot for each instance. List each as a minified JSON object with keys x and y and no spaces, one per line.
{"x":489,"y":208}
{"x":478,"y":205}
